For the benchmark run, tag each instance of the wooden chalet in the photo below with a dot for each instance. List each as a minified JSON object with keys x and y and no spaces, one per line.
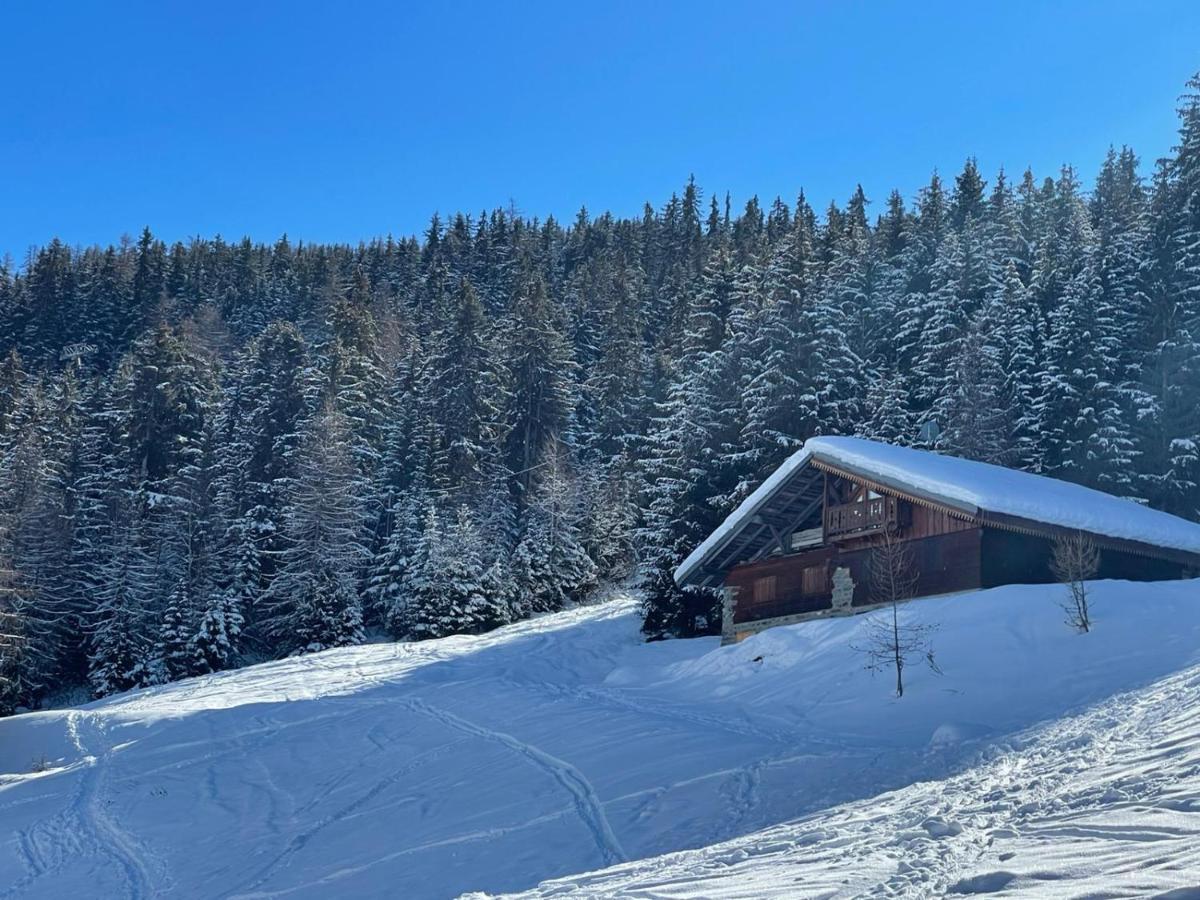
{"x":800,"y":546}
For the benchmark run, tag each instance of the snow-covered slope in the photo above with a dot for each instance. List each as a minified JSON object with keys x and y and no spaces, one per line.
{"x":1102,"y":804}
{"x":564,"y":745}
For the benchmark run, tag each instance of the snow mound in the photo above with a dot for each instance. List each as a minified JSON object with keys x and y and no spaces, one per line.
{"x":565,"y":744}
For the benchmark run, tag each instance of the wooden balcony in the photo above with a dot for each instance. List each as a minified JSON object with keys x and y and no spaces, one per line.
{"x":850,"y":520}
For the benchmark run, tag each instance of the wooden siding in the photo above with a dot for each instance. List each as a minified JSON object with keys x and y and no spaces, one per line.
{"x":790,"y":574}
{"x":1013,"y":558}
{"x":944,"y":563}
{"x":926,"y":522}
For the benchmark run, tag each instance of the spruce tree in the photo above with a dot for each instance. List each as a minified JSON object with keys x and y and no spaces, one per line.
{"x":450,"y":594}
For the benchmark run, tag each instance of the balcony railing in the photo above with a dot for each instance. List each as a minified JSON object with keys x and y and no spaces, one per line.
{"x":862,"y":517}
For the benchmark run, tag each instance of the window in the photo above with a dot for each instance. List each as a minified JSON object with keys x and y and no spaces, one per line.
{"x":764,"y":590}
{"x":814,"y":581}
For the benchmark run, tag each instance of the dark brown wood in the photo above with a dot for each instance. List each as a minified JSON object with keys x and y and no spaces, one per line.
{"x":792,"y":586}
{"x":1010,"y":557}
{"x":824,"y":504}
{"x":801,"y":582}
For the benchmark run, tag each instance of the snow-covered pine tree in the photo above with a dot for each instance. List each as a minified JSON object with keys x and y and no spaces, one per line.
{"x":616,"y":389}
{"x":121,"y":620}
{"x":354,"y":374}
{"x":411,"y":475}
{"x":34,"y":541}
{"x":610,"y":517}
{"x":886,"y":411}
{"x":312,"y":603}
{"x":13,"y":384}
{"x":540,"y":391}
{"x":1169,"y":345}
{"x":451,"y":592}
{"x":786,"y":384}
{"x":12,"y":630}
{"x":393,"y":563}
{"x":464,"y":392}
{"x":1017,"y":335}
{"x":975,"y":412}
{"x":945,"y":318}
{"x":258,"y":435}
{"x":1177,"y":355}
{"x":683,"y":466}
{"x":146,"y":430}
{"x":552,"y":568}
{"x":1083,"y":433}
{"x":914,"y":304}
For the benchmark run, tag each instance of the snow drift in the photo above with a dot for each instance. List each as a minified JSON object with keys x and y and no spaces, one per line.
{"x":564,"y":744}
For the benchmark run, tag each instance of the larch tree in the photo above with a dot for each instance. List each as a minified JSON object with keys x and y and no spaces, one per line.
{"x":313,"y":602}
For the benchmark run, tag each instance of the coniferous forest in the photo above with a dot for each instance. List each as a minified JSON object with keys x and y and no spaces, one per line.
{"x":215,"y":453}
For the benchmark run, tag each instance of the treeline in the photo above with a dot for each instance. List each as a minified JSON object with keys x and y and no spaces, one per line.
{"x":212,"y":453}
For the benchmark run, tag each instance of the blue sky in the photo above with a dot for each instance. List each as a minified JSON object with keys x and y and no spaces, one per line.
{"x":341,"y":124}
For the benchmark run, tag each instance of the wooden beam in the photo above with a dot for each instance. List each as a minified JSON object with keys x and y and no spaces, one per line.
{"x":734,"y":549}
{"x":794,"y":523}
{"x":783,"y":547}
{"x":824,"y":503}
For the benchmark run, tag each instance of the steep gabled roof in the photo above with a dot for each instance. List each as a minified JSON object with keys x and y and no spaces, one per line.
{"x":992,"y":495}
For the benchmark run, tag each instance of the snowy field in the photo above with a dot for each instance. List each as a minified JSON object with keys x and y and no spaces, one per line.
{"x":1042,"y":763}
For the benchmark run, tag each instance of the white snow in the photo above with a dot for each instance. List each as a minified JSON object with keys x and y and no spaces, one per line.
{"x":1101,"y":804}
{"x":565,"y":744}
{"x":971,"y":487}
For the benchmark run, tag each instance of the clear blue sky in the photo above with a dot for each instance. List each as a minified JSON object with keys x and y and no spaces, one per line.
{"x":338,"y":124}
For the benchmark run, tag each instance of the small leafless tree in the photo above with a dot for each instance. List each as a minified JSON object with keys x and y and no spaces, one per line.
{"x":1074,"y":560}
{"x":890,"y":644}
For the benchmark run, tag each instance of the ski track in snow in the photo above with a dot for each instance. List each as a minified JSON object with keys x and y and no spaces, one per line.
{"x":86,"y":827}
{"x":587,"y":803}
{"x":563,"y":743}
{"x":1123,"y":761}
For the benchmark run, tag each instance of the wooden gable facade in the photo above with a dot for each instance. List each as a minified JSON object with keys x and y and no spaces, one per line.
{"x":808,"y":552}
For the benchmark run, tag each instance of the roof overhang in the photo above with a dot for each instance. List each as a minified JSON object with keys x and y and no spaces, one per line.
{"x":794,"y":492}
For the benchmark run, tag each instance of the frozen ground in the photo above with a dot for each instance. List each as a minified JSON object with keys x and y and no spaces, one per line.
{"x":564,"y":745}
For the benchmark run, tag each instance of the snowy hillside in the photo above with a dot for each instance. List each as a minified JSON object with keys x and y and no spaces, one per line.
{"x":1102,"y":804}
{"x":563,"y":745}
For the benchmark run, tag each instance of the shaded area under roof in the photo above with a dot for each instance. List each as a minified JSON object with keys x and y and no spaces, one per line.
{"x":791,"y":495}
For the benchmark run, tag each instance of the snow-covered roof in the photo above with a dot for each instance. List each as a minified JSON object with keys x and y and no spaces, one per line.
{"x":973,"y":488}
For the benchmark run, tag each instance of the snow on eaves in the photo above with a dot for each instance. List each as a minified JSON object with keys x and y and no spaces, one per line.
{"x":971,"y":487}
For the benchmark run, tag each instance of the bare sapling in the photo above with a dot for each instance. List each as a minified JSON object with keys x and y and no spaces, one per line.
{"x":891,"y":644}
{"x":1075,"y":560}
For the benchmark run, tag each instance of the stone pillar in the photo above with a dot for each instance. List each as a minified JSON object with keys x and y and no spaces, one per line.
{"x":843,"y":591}
{"x":728,"y":601}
